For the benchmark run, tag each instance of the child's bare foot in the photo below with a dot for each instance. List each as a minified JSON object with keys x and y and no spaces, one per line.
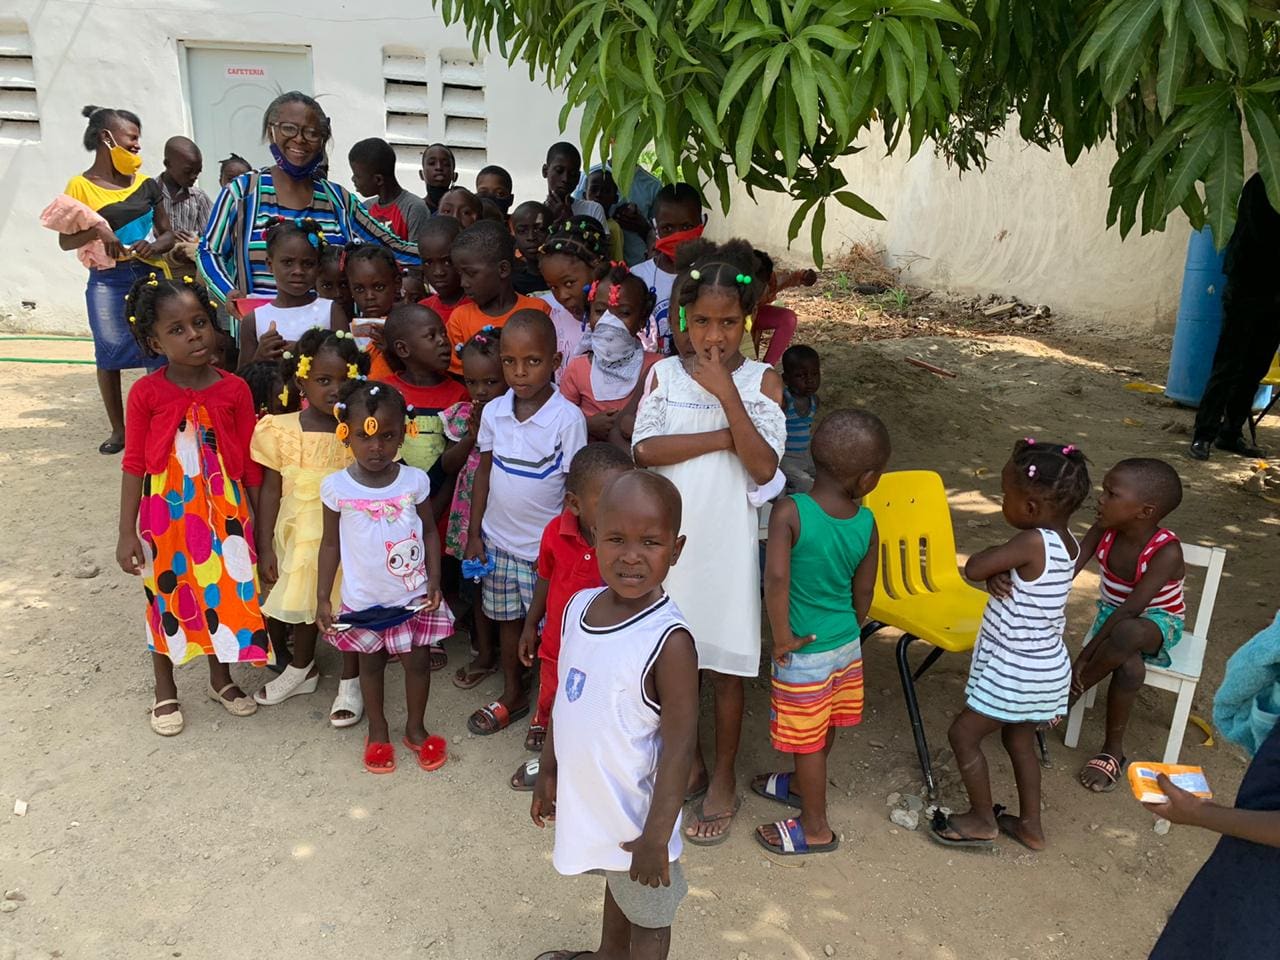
{"x":1030,"y":835}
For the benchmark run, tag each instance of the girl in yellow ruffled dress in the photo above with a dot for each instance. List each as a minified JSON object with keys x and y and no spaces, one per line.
{"x":298,"y":450}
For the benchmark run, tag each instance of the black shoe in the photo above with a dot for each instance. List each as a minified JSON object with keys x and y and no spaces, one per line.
{"x":1199,"y":450}
{"x":1239,"y":447}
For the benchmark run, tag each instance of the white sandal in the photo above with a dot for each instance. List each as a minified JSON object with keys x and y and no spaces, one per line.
{"x":293,"y":682}
{"x":349,"y":699}
{"x":169,"y":724}
{"x":241,"y":706}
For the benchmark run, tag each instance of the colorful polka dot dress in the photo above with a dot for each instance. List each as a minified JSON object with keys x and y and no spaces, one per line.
{"x":201,"y":575}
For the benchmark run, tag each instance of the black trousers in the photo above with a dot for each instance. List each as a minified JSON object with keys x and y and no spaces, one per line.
{"x":1250,"y":336}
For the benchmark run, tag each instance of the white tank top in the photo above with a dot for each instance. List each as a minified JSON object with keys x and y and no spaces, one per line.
{"x":606,"y":734}
{"x":293,"y":322}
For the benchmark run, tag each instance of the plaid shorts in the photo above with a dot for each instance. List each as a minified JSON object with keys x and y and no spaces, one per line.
{"x":508,"y":591}
{"x":425,"y":628}
{"x":812,"y":693}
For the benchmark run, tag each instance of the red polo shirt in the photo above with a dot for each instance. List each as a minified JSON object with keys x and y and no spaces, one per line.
{"x":569,"y":564}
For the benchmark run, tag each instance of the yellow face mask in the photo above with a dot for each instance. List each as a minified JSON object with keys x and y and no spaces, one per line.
{"x":125,"y":161}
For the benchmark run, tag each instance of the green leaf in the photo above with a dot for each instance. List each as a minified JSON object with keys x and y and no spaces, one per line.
{"x":831,"y":36}
{"x":700,"y":110}
{"x":645,"y":12}
{"x":895,"y":78}
{"x":875,"y":37}
{"x":855,"y":203}
{"x":815,"y":232}
{"x":786,"y":125}
{"x":1260,"y":114}
{"x":699,"y":12}
{"x":805,"y":86}
{"x":1103,"y":33}
{"x":1193,"y":207}
{"x":1238,"y":46}
{"x":777,"y":58}
{"x":1234,"y":10}
{"x":1193,"y":160}
{"x":1175,"y":54}
{"x":739,"y":74}
{"x":1153,"y":210}
{"x":646,"y":58}
{"x":565,"y":62}
{"x":754,"y":31}
{"x":1265,"y":86}
{"x":1169,"y":9}
{"x":750,"y":124}
{"x":919,"y":65}
{"x":1225,"y":179}
{"x":932,"y":9}
{"x":1128,"y":48}
{"x":797,"y":220}
{"x":1204,"y":24}
{"x":720,"y":172}
{"x":763,"y":9}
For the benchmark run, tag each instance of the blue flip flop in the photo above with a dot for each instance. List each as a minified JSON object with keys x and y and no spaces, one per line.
{"x":777,"y":787}
{"x":793,"y":841}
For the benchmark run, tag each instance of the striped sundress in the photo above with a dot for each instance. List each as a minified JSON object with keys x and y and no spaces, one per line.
{"x":1021,"y":672}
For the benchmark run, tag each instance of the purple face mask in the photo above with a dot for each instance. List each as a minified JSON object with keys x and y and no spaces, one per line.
{"x":303,"y":172}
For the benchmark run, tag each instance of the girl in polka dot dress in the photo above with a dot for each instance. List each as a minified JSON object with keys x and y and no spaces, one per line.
{"x":184,"y":511}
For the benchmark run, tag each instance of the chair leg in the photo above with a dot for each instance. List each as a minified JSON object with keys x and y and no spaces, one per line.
{"x":929,"y":661}
{"x":913,"y":711}
{"x":870,"y":629}
{"x":1074,"y":721}
{"x":1044,"y":748}
{"x":1179,"y":725}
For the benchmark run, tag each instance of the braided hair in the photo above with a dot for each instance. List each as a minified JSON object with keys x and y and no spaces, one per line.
{"x":1058,"y":473}
{"x":295,"y":363}
{"x":485,"y":342}
{"x":286,"y":227}
{"x":370,"y":251}
{"x":729,"y":266}
{"x":617,"y":276}
{"x":145,"y":297}
{"x":360,"y":399}
{"x":102,"y":118}
{"x":581,"y":237}
{"x":264,"y":380}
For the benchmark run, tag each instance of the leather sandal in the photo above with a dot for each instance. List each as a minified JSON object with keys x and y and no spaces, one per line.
{"x":168,"y":724}
{"x":241,"y":706}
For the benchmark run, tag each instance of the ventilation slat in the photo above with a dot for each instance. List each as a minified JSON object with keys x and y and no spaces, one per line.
{"x":19,"y":106}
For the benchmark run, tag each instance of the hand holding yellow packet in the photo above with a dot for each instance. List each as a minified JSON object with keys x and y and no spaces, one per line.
{"x":1145,"y":787}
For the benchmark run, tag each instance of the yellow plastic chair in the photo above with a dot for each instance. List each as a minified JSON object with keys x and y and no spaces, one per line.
{"x":919,"y":589}
{"x":1272,"y":380}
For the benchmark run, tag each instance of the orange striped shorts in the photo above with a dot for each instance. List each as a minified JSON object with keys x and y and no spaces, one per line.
{"x":813,"y":692}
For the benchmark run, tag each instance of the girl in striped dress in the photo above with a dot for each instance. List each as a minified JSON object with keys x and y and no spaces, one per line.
{"x":1020,"y":675}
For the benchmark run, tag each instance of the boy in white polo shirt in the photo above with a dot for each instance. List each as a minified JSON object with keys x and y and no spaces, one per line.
{"x":527,"y":439}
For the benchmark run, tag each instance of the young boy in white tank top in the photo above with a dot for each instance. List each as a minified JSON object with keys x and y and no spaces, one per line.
{"x":619,"y":747}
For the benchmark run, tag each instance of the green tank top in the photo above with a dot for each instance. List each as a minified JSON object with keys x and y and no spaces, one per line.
{"x":823,"y":562}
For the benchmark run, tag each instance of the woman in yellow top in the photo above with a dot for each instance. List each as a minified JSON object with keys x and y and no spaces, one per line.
{"x":134,"y":231}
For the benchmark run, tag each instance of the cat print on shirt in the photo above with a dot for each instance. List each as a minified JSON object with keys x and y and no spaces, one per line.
{"x":406,"y":560}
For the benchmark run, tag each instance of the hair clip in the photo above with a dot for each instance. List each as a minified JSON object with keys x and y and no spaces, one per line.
{"x":373,"y":391}
{"x":284,"y":397}
{"x":352,"y":371}
{"x":286,"y":355}
{"x":370,"y":426}
{"x":344,"y":334}
{"x":489,"y":328}
{"x":304,"y":367}
{"x":1031,"y":470}
{"x":152,"y":281}
{"x":343,"y":432}
{"x":614,"y":293}
{"x":695,"y":274}
{"x":339,"y":407}
{"x":683,"y":324}
{"x":133,"y":319}
{"x":187,"y":280}
{"x":1029,"y":441}
{"x":743,"y":278}
{"x":1069,"y":449}
{"x":458,"y":348}
{"x":746,"y":323}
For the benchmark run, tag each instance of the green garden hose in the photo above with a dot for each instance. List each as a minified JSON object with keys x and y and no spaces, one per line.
{"x":48,"y":359}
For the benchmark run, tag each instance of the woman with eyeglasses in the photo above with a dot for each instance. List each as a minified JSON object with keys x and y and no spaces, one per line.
{"x":233,"y":255}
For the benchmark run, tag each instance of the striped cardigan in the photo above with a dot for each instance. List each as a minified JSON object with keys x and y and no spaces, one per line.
{"x":232,"y":257}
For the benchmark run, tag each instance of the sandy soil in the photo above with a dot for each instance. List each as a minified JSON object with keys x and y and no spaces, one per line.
{"x":266,"y":833}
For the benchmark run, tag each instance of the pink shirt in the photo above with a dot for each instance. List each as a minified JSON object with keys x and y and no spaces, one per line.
{"x":575,"y":384}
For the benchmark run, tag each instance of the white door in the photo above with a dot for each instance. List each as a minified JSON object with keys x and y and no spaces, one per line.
{"x":229,"y":87}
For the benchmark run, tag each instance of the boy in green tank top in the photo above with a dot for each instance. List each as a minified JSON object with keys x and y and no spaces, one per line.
{"x":820,"y":573}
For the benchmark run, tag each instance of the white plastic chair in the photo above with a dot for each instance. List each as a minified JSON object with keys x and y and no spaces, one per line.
{"x":1182,"y":675}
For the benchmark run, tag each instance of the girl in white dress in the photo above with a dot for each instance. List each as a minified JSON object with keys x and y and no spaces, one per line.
{"x":712,"y":423}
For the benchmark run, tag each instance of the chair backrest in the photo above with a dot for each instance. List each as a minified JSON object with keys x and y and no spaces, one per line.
{"x":1272,"y":378}
{"x":917,"y":545}
{"x":1212,"y":559}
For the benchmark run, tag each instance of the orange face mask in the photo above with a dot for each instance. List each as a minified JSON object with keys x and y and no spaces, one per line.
{"x":669,"y":244}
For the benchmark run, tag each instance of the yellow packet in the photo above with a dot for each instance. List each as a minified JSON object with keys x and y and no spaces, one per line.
{"x":1143,"y":783}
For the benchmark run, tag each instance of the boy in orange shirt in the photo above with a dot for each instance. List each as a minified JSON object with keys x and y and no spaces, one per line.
{"x":484,"y":255}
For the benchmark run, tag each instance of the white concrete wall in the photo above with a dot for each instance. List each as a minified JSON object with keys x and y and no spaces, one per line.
{"x":116,"y":54}
{"x":1029,"y":226}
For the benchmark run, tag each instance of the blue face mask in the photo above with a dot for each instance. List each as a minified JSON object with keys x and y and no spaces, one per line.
{"x":304,"y":172}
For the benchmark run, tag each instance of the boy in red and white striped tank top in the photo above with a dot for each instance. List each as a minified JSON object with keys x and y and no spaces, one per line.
{"x":1141,"y":609}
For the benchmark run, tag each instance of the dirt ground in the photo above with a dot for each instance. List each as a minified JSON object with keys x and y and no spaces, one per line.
{"x":264,"y":835}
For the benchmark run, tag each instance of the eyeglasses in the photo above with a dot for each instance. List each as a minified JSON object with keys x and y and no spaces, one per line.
{"x":291,"y":130}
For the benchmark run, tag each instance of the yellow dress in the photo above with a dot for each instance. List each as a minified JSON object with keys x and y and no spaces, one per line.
{"x":302,"y":459}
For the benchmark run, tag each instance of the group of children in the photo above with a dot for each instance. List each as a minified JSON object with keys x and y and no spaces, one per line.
{"x":576,"y":477}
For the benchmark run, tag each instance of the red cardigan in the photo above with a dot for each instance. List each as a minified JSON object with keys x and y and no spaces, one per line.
{"x":156,"y":407}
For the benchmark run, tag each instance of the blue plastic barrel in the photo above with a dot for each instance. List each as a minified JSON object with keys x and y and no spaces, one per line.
{"x":1199,"y":320}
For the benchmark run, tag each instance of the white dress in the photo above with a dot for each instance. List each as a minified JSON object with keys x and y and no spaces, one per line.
{"x":716,"y":583}
{"x":292,"y":322}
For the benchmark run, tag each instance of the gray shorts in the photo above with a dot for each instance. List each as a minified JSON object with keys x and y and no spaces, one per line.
{"x":649,"y":907}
